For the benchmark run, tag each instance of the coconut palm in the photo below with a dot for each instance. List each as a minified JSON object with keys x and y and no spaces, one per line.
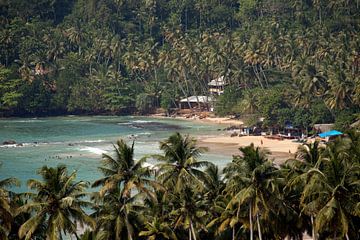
{"x":214,"y":185}
{"x":307,"y":157}
{"x":6,"y":210}
{"x":180,"y":167}
{"x":189,"y":212}
{"x":122,"y":171}
{"x":118,"y":216}
{"x":227,"y":218}
{"x":122,"y":175}
{"x":252,"y":182}
{"x":354,"y":137}
{"x":158,"y":229}
{"x":333,"y":192}
{"x":57,"y":202}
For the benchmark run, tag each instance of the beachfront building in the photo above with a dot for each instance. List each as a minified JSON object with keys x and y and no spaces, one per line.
{"x":197,"y":102}
{"x":319,"y":128}
{"x":356,"y":125}
{"x":216,"y":86}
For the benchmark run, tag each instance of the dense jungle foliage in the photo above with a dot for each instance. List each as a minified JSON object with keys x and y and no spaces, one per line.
{"x":286,"y":60}
{"x":183,"y":197}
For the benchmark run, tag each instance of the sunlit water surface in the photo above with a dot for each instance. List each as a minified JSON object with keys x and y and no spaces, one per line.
{"x":79,"y":142}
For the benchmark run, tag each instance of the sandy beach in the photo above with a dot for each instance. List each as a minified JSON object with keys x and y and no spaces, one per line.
{"x":281,"y":150}
{"x":223,"y":143}
{"x":221,"y":121}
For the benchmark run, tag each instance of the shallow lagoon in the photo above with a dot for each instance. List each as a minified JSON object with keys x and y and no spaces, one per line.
{"x":79,"y":142}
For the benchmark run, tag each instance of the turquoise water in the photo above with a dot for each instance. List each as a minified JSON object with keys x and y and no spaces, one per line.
{"x":79,"y":142}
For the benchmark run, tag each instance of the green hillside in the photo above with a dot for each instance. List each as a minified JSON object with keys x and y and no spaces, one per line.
{"x":286,"y":60}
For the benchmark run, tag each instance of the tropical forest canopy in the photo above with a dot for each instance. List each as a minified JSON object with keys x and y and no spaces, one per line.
{"x":183,"y":197}
{"x":286,"y":60}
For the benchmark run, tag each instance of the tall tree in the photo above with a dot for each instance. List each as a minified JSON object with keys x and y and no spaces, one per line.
{"x":57,"y":203}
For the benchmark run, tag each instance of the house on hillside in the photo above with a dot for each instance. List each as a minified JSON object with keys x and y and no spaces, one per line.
{"x":199,"y":102}
{"x":216,"y":86}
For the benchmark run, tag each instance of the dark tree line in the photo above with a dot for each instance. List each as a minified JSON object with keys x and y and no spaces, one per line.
{"x":317,"y":192}
{"x":123,"y":56}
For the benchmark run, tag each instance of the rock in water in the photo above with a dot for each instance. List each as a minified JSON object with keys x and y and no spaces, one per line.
{"x":9,"y":142}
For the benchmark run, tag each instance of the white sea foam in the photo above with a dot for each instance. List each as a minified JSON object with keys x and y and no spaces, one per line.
{"x":141,"y":121}
{"x":27,"y":121}
{"x":123,"y":123}
{"x":92,"y":141}
{"x":98,"y":151}
{"x":8,"y":146}
{"x":144,"y":133}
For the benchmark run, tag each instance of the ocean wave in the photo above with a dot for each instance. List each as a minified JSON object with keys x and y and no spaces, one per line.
{"x":124,"y":123}
{"x":91,"y":141}
{"x":26,"y":121}
{"x":98,"y":151}
{"x":36,"y":143}
{"x":144,"y":133}
{"x":141,"y":121}
{"x":9,"y":146}
{"x":18,"y":145}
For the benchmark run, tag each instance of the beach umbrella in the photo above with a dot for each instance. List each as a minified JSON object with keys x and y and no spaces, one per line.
{"x":330,"y":134}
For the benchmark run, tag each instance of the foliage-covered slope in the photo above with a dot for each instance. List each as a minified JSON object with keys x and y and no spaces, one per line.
{"x":122,"y":56}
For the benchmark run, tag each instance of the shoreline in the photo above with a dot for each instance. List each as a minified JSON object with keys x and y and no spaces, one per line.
{"x":224,"y":144}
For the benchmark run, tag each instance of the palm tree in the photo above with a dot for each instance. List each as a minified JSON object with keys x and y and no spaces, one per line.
{"x":184,"y":181}
{"x":57,"y":203}
{"x":119,"y":207}
{"x":180,"y":167}
{"x":307,"y":157}
{"x":340,"y":89}
{"x":76,"y":36}
{"x":252,"y":181}
{"x":354,"y":137}
{"x":122,"y":172}
{"x":118,"y":216}
{"x":226,"y":218}
{"x":6,"y":210}
{"x":333,"y":192}
{"x":189,"y":211}
{"x":214,"y":185}
{"x":158,"y":229}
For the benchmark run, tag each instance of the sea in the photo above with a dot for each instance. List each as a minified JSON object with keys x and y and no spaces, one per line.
{"x":79,"y":142}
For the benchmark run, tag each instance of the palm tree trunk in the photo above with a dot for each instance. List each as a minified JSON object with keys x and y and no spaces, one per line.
{"x":233,"y":233}
{"x":192,"y":229}
{"x":190,"y":234}
{"x":251,"y":223}
{"x":313,"y":228}
{"x":263,"y":73}
{"x":258,"y":224}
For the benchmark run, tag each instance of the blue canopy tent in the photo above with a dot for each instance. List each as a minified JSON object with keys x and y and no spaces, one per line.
{"x":331,"y":133}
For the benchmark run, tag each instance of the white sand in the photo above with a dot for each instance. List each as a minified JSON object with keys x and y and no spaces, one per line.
{"x":273,"y":145}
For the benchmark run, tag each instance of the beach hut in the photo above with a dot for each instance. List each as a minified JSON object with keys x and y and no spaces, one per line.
{"x":202,"y":102}
{"x":355,"y":124}
{"x":216,"y":86}
{"x":319,"y":128}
